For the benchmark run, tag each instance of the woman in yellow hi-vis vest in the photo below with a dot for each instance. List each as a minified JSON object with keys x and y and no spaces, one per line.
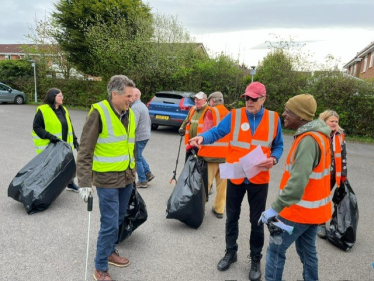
{"x":52,"y":123}
{"x":338,"y":155}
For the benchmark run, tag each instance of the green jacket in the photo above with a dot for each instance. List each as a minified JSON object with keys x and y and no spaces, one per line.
{"x":196,"y":116}
{"x":307,"y":157}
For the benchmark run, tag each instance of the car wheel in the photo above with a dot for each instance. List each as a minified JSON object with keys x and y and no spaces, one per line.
{"x":18,"y":100}
{"x":154,"y":126}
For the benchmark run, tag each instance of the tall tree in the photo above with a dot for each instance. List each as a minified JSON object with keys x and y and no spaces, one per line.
{"x":75,"y":17}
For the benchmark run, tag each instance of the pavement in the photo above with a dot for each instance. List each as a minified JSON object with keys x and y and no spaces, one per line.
{"x":51,"y":245}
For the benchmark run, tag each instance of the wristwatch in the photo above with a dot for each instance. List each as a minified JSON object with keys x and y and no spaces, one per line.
{"x":274,"y":160}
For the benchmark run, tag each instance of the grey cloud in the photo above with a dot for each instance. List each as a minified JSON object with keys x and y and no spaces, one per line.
{"x":225,"y":16}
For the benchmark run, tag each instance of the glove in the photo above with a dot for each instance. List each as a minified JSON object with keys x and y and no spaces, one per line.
{"x":76,"y":145}
{"x":181,"y":132}
{"x":54,"y":139}
{"x":343,"y":179}
{"x":84,"y":192}
{"x":265,"y":216}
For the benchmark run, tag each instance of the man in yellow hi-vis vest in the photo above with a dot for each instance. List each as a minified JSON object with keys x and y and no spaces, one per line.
{"x":106,"y":160}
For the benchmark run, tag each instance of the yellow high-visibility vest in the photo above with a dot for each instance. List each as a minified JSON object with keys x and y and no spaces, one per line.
{"x":114,"y":150}
{"x":52,"y":125}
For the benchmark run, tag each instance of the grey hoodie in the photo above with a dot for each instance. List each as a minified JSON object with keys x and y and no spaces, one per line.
{"x":307,"y":157}
{"x":143,"y":121}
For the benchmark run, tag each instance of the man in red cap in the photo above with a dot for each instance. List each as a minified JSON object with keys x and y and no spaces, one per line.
{"x":247,"y":127}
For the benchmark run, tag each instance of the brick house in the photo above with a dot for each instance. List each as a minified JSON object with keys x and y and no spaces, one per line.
{"x":362,"y":65}
{"x":16,"y":52}
{"x":12,"y":51}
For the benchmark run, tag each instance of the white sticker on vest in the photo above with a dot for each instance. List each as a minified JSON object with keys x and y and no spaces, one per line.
{"x":245,"y":126}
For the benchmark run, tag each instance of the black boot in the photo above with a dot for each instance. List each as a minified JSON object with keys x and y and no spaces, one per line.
{"x":255,"y":272}
{"x":72,"y":187}
{"x":229,"y":258}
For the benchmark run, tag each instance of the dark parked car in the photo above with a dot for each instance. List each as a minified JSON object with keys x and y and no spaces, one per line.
{"x":170,"y":108}
{"x":7,"y":94}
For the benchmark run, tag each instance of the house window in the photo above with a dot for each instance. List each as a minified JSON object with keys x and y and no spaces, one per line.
{"x":7,"y":57}
{"x":371,"y":59}
{"x":354,"y":70}
{"x":365,"y":64}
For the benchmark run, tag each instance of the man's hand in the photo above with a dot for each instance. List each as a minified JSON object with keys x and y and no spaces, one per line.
{"x":181,"y":132}
{"x":266,"y":215}
{"x":196,"y":141}
{"x":268,"y":163}
{"x":54,"y":139}
{"x":84,"y":192}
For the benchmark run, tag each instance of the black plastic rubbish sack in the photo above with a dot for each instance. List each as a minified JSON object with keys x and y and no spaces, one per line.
{"x":136,"y":215}
{"x":343,"y":226}
{"x":187,"y":201}
{"x":43,"y":179}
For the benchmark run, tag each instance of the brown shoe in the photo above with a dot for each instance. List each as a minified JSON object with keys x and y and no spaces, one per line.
{"x":141,"y":184}
{"x":116,"y":260}
{"x":102,"y":275}
{"x":149,"y":176}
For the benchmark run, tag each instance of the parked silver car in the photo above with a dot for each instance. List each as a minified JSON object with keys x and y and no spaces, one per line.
{"x":7,"y":94}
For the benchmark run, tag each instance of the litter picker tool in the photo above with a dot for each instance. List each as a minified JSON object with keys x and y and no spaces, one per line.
{"x":176,"y":164}
{"x":89,"y":209}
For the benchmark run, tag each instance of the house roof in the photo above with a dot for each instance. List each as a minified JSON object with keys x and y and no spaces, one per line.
{"x":360,"y":55}
{"x":15,"y":49}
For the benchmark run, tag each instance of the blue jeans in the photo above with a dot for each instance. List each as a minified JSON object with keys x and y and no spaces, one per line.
{"x":113,"y":206}
{"x":304,"y":236}
{"x":142,"y":167}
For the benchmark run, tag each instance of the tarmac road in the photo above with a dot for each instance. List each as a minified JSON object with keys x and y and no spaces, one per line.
{"x":51,"y":245}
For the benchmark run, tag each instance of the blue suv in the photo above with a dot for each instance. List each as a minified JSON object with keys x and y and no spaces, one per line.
{"x":170,"y":108}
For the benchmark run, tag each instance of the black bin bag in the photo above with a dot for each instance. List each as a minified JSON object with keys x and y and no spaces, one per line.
{"x":136,"y":214}
{"x":343,"y":226}
{"x":187,"y":201}
{"x":43,"y":179}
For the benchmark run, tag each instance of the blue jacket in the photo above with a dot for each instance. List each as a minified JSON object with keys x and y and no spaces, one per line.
{"x":224,"y":127}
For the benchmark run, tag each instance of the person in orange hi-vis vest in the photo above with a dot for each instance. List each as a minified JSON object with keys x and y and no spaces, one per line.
{"x":247,"y":128}
{"x":338,"y":155}
{"x":215,"y":153}
{"x":304,"y":199}
{"x":199,"y":118}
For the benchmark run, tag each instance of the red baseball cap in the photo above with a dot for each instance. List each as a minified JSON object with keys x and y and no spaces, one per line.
{"x":255,"y":90}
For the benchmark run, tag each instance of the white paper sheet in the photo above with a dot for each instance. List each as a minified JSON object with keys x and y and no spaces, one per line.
{"x":247,"y":167}
{"x":250,"y":162}
{"x":231,"y":171}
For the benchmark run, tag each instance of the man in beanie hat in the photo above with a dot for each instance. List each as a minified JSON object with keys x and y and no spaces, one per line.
{"x":216,"y":154}
{"x":304,"y":199}
{"x":247,"y":128}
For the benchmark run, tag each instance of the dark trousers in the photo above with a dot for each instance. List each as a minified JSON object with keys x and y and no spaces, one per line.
{"x":256,"y":194}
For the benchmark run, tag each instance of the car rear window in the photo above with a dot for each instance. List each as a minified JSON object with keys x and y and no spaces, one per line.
{"x":167,"y":98}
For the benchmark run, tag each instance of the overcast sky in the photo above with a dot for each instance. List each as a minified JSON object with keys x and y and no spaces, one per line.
{"x":240,"y":28}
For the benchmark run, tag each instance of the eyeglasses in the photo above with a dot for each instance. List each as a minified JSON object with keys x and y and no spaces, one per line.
{"x":247,"y":98}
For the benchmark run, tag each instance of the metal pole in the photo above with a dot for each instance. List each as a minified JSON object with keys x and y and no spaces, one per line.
{"x":36,"y":93}
{"x":89,"y":209}
{"x":252,"y":78}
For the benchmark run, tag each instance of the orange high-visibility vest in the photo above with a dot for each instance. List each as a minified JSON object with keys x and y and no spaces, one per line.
{"x":337,"y":150}
{"x":242,"y":142}
{"x":315,"y":204}
{"x":217,"y":149}
{"x":200,"y":122}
